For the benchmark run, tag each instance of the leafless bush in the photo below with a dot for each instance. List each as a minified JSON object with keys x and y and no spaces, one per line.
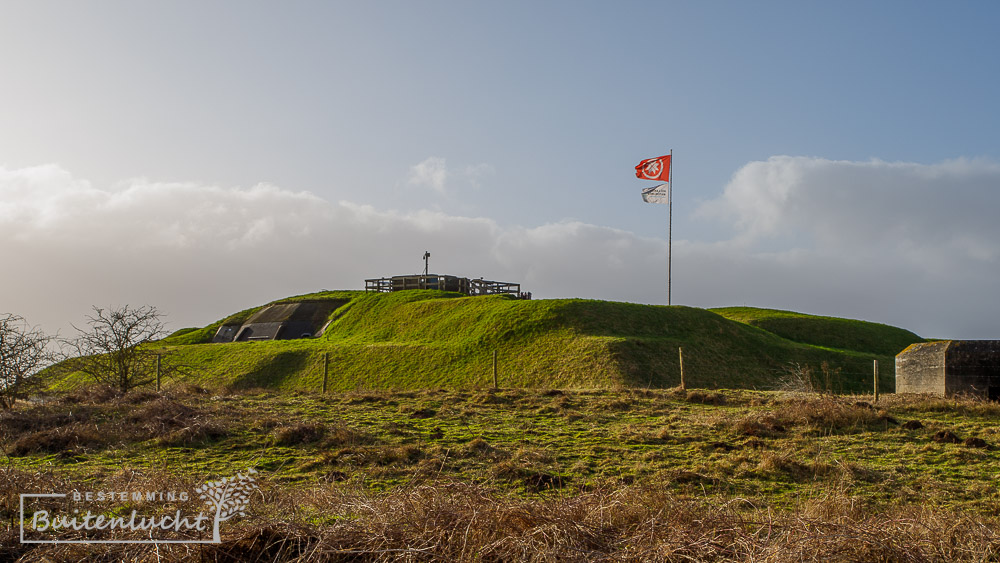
{"x":114,"y":349}
{"x":24,"y":350}
{"x":797,"y":378}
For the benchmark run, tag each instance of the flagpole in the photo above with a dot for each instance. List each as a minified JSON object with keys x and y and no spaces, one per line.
{"x":670,"y":222}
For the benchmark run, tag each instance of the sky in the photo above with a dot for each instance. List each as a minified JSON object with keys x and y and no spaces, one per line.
{"x":837,"y":159}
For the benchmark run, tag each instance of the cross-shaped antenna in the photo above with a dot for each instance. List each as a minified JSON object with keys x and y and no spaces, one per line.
{"x":426,"y":256}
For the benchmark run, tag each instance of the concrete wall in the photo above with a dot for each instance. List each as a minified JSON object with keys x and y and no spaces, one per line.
{"x":226,"y":333}
{"x":282,"y":321}
{"x":921,"y":368}
{"x":950,"y":367}
{"x":973,"y":367}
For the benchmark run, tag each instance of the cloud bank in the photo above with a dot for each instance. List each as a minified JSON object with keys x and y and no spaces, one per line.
{"x":912,"y":244}
{"x":200,"y":252}
{"x":901,"y":243}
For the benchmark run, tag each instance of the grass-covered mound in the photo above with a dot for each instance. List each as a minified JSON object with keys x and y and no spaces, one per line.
{"x":830,"y":332}
{"x":204,"y":335}
{"x":426,"y":339}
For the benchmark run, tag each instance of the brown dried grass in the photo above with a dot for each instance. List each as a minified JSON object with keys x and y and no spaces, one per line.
{"x":450,"y":521}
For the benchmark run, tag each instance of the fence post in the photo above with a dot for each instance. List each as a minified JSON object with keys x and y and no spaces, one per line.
{"x":326,"y":369}
{"x":158,"y":372}
{"x":875,"y":371}
{"x":680,"y":358}
{"x":495,"y":369}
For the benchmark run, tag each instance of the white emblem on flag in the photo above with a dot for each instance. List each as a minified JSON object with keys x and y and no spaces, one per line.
{"x":652,"y":168}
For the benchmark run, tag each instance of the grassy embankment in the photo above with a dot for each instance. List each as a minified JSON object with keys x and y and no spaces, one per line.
{"x":425,"y":339}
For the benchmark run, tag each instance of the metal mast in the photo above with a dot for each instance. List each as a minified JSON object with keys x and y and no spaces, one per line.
{"x":670,"y":223}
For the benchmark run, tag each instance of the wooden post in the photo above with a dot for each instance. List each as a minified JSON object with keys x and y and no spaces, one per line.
{"x":326,"y":369}
{"x":875,"y":370}
{"x":495,"y":369}
{"x":680,"y":358}
{"x":158,"y":372}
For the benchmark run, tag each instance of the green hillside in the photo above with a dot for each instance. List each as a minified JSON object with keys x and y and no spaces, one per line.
{"x":426,"y":339}
{"x":830,"y":332}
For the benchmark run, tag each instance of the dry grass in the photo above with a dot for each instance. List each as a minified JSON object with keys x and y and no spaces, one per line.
{"x":758,"y":477}
{"x":301,"y":433}
{"x":819,"y":413}
{"x":448,"y":521}
{"x":96,"y":418}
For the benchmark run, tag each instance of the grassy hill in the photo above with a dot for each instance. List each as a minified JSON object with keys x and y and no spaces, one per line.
{"x":829,"y":332}
{"x":426,"y":339}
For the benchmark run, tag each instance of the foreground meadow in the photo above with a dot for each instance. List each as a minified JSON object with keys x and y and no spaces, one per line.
{"x":515,"y":474}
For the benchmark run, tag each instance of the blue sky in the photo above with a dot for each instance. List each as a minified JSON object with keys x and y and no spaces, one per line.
{"x":501,"y":137}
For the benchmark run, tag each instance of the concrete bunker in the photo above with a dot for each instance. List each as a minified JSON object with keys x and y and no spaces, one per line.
{"x":282,"y":321}
{"x":950,"y":367}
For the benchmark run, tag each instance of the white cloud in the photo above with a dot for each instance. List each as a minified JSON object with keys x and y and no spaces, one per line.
{"x":431,"y":173}
{"x":907,"y":244}
{"x":939,"y":209}
{"x":434,"y":173}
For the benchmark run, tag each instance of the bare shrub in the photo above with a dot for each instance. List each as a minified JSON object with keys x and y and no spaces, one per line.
{"x":797,"y":378}
{"x":114,"y":349}
{"x":24,"y":351}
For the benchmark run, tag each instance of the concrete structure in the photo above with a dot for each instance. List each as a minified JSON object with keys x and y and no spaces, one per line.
{"x":282,"y":321}
{"x":950,"y":367}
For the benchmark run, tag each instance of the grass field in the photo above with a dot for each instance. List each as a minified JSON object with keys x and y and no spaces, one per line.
{"x":543,"y":474}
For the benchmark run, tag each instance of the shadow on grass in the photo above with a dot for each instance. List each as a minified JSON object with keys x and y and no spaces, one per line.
{"x":275,"y":371}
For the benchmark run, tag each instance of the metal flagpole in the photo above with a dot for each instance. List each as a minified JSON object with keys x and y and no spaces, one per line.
{"x":670,"y":222}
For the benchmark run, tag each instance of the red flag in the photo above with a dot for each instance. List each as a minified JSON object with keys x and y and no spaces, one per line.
{"x":654,"y":169}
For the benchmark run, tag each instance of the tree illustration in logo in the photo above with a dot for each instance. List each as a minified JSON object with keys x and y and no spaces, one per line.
{"x":227,"y":497}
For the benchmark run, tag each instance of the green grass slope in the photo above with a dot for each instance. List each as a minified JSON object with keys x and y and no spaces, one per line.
{"x":427,"y":339}
{"x":830,"y":332}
